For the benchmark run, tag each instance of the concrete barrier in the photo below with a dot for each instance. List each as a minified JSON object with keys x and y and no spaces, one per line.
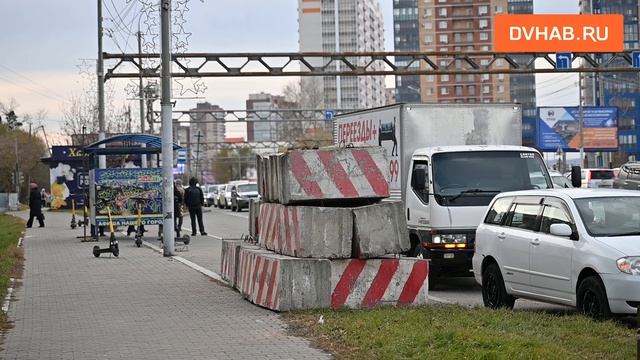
{"x":379,"y":229}
{"x":254,"y":211}
{"x":368,"y":283}
{"x":306,"y":231}
{"x":310,"y":176}
{"x":283,"y":283}
{"x":230,"y":257}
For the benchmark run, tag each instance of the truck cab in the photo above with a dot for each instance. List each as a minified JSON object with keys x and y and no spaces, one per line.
{"x":448,"y":190}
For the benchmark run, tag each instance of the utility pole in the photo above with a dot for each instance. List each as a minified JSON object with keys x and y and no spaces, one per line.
{"x":581,"y":120}
{"x":102,"y":160}
{"x":140,"y":88}
{"x":167,"y":131}
{"x":198,"y":154}
{"x":337,"y":36}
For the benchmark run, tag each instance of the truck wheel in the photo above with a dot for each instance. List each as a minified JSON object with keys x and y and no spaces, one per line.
{"x":494,"y":294}
{"x":592,"y":298}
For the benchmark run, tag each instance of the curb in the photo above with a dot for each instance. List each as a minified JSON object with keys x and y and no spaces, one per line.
{"x":12,"y":281}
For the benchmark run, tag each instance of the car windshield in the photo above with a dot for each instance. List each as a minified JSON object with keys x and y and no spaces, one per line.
{"x":474,"y":178}
{"x":247,"y":188}
{"x":610,"y":216}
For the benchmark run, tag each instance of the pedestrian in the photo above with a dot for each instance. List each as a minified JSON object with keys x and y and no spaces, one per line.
{"x":194,"y":199}
{"x":35,"y":206}
{"x":43,"y":197}
{"x":178,"y":200}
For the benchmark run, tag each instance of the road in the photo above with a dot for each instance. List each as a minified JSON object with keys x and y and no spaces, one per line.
{"x":227,"y":224}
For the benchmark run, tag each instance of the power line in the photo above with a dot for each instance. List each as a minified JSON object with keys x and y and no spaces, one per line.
{"x":31,"y":80}
{"x":32,"y":90}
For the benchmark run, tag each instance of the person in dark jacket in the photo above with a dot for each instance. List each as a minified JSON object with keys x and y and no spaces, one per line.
{"x":194,"y":200}
{"x":178,"y":200}
{"x":35,"y":206}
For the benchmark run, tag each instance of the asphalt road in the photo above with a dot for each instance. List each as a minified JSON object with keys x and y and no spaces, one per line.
{"x":464,"y":291}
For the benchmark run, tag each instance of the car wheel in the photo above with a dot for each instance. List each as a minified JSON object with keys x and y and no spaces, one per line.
{"x":494,"y":294}
{"x":592,"y":298}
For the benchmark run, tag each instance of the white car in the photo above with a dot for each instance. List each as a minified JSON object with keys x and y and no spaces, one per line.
{"x":597,"y":178}
{"x":576,"y":247}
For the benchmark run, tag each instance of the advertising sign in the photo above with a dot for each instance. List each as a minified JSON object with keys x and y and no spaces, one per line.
{"x":559,"y":127}
{"x":122,"y":190}
{"x":379,"y":128}
{"x":68,"y":181}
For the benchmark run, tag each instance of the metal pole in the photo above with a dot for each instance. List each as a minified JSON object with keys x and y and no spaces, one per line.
{"x":100,"y":73}
{"x":581,"y":120}
{"x":337,"y":31}
{"x":140,"y":89}
{"x":17,"y":167}
{"x":198,"y":155}
{"x":167,"y":131}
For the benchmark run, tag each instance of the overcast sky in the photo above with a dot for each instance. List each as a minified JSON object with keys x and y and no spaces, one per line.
{"x":43,"y":42}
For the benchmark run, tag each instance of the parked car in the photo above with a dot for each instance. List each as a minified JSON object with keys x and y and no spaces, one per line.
{"x":597,"y":178}
{"x":226,"y":196}
{"x":559,"y":180}
{"x":242,"y":194}
{"x":574,"y":247}
{"x":210,"y":194}
{"x":628,"y":177}
{"x":217,"y":199}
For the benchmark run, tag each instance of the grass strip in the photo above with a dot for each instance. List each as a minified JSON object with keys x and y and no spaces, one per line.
{"x":11,"y":257}
{"x":457,"y":332}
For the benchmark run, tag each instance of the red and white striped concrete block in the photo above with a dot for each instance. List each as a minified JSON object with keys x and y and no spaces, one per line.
{"x":306,"y":231}
{"x":368,"y":283}
{"x":332,"y":174}
{"x":283,"y":283}
{"x":230,"y":256}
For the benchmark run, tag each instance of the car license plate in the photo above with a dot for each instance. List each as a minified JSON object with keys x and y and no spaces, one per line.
{"x":449,"y":255}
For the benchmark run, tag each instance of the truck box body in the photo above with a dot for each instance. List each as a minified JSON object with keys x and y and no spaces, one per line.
{"x":403,"y":128}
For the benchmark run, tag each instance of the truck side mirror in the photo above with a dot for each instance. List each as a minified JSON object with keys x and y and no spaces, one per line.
{"x":419,"y":179}
{"x":576,"y":176}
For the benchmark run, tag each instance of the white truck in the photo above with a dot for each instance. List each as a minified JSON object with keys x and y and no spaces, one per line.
{"x":447,"y":162}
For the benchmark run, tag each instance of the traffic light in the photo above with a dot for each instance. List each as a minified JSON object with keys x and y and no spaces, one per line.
{"x":20,"y":177}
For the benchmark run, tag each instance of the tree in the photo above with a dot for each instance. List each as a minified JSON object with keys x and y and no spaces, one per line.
{"x":82,"y":110}
{"x":30,"y":150}
{"x":232,"y":164}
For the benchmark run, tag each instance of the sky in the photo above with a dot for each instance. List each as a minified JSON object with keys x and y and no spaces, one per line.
{"x":45,"y":45}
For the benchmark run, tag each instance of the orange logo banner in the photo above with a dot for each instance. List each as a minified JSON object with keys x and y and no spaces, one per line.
{"x":558,"y":33}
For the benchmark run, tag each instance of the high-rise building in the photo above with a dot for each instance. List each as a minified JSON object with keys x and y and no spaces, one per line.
{"x":207,"y":129}
{"x":406,"y":27}
{"x":617,"y":89}
{"x":464,"y":26}
{"x":266,"y":125}
{"x":344,"y":26}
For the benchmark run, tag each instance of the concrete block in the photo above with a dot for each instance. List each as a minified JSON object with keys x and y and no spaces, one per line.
{"x":307,"y":231}
{"x":379,"y":229}
{"x":284,"y":283}
{"x":230,"y":256}
{"x":368,"y":283}
{"x":254,"y":210}
{"x":310,"y":176}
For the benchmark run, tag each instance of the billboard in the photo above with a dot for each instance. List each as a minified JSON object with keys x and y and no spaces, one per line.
{"x":68,"y":180}
{"x":559,"y":127}
{"x":122,"y":190}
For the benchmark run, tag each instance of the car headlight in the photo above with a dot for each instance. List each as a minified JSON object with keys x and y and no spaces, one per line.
{"x":449,"y":239}
{"x":629,"y":265}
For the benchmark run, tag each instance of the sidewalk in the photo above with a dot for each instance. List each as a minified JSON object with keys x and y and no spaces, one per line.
{"x":140,"y":305}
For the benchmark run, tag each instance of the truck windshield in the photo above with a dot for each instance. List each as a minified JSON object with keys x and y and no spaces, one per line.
{"x":473,"y":178}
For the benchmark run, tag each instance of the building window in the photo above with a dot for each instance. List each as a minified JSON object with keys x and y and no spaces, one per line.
{"x":442,"y":24}
{"x":430,"y":91}
{"x":458,"y":90}
{"x":484,"y":77}
{"x":484,"y":48}
{"x":428,"y":12}
{"x":498,"y":9}
{"x":500,"y":88}
{"x":444,"y":77}
{"x":483,"y":10}
{"x":428,"y":39}
{"x":483,"y":23}
{"x":500,"y":77}
{"x":429,"y":78}
{"x":428,"y":25}
{"x":444,"y":38}
{"x":459,"y":78}
{"x":486,"y":89}
{"x":471,"y":90}
{"x":484,"y":36}
{"x":469,"y":37}
{"x":444,"y":90}
{"x":443,"y":12}
{"x":471,"y":77}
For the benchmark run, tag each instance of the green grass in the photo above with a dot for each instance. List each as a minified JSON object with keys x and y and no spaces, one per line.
{"x":456,"y":332}
{"x":11,"y":257}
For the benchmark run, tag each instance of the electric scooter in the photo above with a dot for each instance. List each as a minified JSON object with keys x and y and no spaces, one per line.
{"x":113,"y":243}
{"x":74,"y":223}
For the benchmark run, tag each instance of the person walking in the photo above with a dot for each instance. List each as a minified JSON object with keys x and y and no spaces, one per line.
{"x":178,"y":200}
{"x":194,"y":199}
{"x":35,"y":206}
